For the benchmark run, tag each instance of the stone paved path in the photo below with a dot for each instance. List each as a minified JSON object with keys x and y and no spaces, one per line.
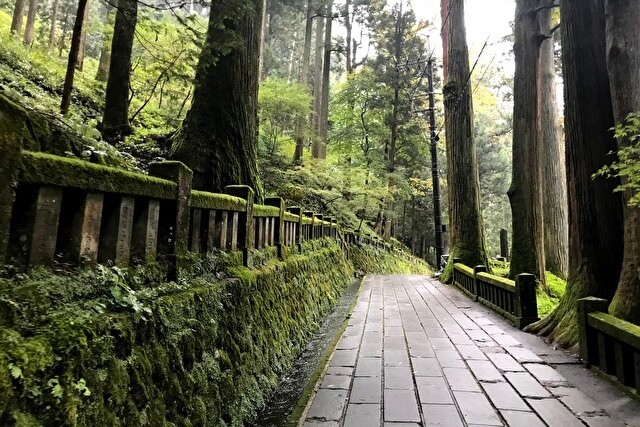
{"x":419,"y":353}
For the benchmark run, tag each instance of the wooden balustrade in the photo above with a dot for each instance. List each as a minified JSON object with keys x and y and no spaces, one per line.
{"x":515,"y":300}
{"x":75,"y":212}
{"x":608,"y":343}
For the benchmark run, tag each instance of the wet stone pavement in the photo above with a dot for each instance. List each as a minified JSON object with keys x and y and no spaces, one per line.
{"x":419,"y":353}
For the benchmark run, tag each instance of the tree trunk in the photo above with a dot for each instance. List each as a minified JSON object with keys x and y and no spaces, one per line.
{"x":18,"y":14}
{"x":348,"y":23}
{"x":73,"y":55}
{"x":317,"y":72}
{"x":525,"y":193}
{"x":115,"y":121}
{"x":105,"y":52}
{"x":31,"y":22}
{"x":444,"y":16}
{"x":218,"y":138}
{"x":304,"y":79}
{"x":623,"y":63}
{"x":263,"y":38}
{"x":554,"y":174}
{"x":595,"y":211}
{"x":54,"y":23}
{"x":467,"y":238}
{"x":319,"y":148}
{"x":83,"y":42}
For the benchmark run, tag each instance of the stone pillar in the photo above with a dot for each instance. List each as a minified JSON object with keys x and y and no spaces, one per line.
{"x":297,"y":228}
{"x":477,"y":269}
{"x":217,"y":236}
{"x":308,"y":235}
{"x":195,"y":238}
{"x":117,"y":228}
{"x":317,"y":221}
{"x":526,"y":302}
{"x":278,"y":224}
{"x":144,"y":243}
{"x":80,"y":239}
{"x":45,"y":226}
{"x":587,"y":337}
{"x":174,"y":222}
{"x":245,"y":221}
{"x":9,"y":163}
{"x":504,"y":244}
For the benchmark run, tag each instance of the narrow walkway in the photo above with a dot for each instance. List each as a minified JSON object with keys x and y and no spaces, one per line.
{"x":419,"y":353}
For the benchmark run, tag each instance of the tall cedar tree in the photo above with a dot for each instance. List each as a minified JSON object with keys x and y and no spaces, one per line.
{"x":73,"y":57}
{"x":31,"y":22}
{"x":218,"y":138}
{"x":304,"y":79}
{"x":623,"y":63}
{"x":554,"y":174}
{"x":595,"y":211}
{"x":466,"y":232}
{"x":105,"y":52}
{"x":525,"y":193}
{"x":115,"y":121}
{"x":18,"y":14}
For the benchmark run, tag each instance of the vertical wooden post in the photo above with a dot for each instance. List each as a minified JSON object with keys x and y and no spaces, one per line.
{"x":278,"y":226}
{"x":85,"y":233}
{"x":145,"y":231}
{"x":9,"y":163}
{"x":587,"y":337}
{"x":196,"y":221}
{"x":297,"y":228}
{"x":174,"y":224}
{"x":245,"y":225}
{"x":308,"y":235}
{"x":526,"y":302}
{"x":45,"y":226}
{"x":235,"y":221}
{"x":477,"y":269}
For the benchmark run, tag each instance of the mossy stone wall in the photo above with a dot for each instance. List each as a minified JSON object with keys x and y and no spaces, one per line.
{"x":116,"y":348}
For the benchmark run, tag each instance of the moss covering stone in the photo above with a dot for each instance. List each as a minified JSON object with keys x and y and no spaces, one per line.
{"x":225,"y":202}
{"x":368,"y":259}
{"x":265,"y":211}
{"x":42,"y":168}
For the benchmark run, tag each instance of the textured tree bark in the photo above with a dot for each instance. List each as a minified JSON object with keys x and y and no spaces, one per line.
{"x":623,"y":63}
{"x":317,"y":71}
{"x":304,"y":79}
{"x":348,"y":23}
{"x":105,"y":52}
{"x":263,"y":38}
{"x":83,"y":41}
{"x":467,"y":237}
{"x":18,"y":14}
{"x":73,"y":55}
{"x":31,"y":22}
{"x":525,"y":193}
{"x":54,"y":22}
{"x":115,"y":121}
{"x":554,"y":175}
{"x":319,"y":147}
{"x":218,"y":138}
{"x":595,"y":211}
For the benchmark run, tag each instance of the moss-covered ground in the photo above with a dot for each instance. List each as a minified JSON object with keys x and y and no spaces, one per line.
{"x":114,"y":347}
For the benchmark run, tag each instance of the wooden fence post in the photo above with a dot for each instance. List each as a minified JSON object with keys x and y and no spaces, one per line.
{"x":278,"y":235}
{"x":477,"y":269}
{"x":173,"y":224}
{"x":587,"y":338}
{"x":246,"y":238}
{"x":526,"y":302}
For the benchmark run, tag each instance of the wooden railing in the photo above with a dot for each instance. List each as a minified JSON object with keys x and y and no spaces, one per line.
{"x":515,"y":300}
{"x":609,"y":344}
{"x":64,"y":210}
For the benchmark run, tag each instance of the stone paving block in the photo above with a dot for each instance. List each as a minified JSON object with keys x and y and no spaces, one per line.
{"x":426,"y":367}
{"x":400,"y":405}
{"x":525,"y":419}
{"x":503,"y":396}
{"x":348,"y":343}
{"x":441,"y":344}
{"x":372,"y":337}
{"x":416,"y":337}
{"x":545,"y":373}
{"x":575,"y":400}
{"x":401,"y":425}
{"x":554,"y":413}
{"x":412,"y":326}
{"x":523,"y":355}
{"x":460,"y":339}
{"x":465,"y":323}
{"x":452,"y":328}
{"x":437,"y":332}
{"x":311,"y":423}
{"x":371,"y":349}
{"x":341,"y":382}
{"x":362,"y":415}
{"x":460,"y":379}
{"x":421,"y":350}
{"x":479,"y":335}
{"x":449,"y":359}
{"x":369,"y":367}
{"x":485,"y":371}
{"x":396,"y":358}
{"x":471,"y":352}
{"x":373,"y":327}
{"x":433,"y":390}
{"x":340,"y":370}
{"x":504,"y":362}
{"x":476,"y":409}
{"x":483,"y":321}
{"x":328,"y":405}
{"x":344,"y":358}
{"x":506,"y":340}
{"x":366,"y":390}
{"x":398,"y":378}
{"x":602,"y":421}
{"x":393,"y":331}
{"x":526,"y":385}
{"x":441,"y":415}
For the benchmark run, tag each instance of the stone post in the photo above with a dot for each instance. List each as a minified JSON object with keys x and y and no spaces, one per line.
{"x":526,"y":302}
{"x":9,"y":163}
{"x":298,"y":237}
{"x":245,"y":226}
{"x":145,"y":232}
{"x":173,"y":223}
{"x":278,"y":226}
{"x":477,"y":269}
{"x":115,"y":236}
{"x":504,"y":244}
{"x":587,"y":337}
{"x":309,"y":230}
{"x":317,"y":222}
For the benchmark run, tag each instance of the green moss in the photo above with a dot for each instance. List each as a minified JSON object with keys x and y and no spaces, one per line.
{"x":225,"y":202}
{"x":265,"y":211}
{"x":288,"y":216}
{"x":369,"y":259}
{"x":41,"y":168}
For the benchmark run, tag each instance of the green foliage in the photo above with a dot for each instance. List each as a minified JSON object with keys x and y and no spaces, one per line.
{"x":627,"y":165}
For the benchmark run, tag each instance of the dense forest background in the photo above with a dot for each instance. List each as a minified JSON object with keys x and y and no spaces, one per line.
{"x":372,"y":131}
